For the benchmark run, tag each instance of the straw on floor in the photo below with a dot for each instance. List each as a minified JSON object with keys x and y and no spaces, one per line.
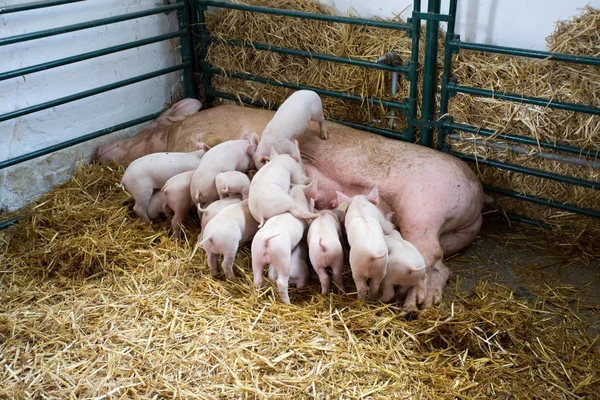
{"x":97,"y":304}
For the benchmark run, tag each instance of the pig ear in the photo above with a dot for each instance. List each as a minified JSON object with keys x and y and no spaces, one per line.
{"x":341,"y":197}
{"x":251,"y":150}
{"x":254,"y":139}
{"x":203,"y":146}
{"x":373,"y":196}
{"x":181,"y":110}
{"x":390,"y":216}
{"x":274,"y":152}
{"x":311,"y":189}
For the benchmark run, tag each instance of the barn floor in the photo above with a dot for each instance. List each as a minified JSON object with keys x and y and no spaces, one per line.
{"x":94,"y":303}
{"x":506,"y":253}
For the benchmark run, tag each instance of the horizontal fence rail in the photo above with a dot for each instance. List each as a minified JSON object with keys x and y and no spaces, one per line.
{"x":536,"y":101}
{"x":87,"y":25}
{"x":34,"y":5}
{"x":324,"y":92}
{"x":91,"y":92}
{"x":513,"y":51}
{"x":86,"y":56}
{"x":521,"y":139}
{"x":81,"y":139}
{"x":307,"y":15}
{"x":316,"y":56}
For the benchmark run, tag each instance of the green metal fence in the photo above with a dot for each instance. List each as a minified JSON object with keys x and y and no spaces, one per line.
{"x":449,"y":88}
{"x":187,"y":65}
{"x":408,"y":70}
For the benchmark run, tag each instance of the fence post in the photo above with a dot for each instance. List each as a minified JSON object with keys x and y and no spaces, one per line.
{"x":429,"y":72}
{"x":444,"y":92}
{"x":183,"y":18}
{"x":204,"y":42}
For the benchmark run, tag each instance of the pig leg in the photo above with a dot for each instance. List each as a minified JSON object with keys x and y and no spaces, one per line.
{"x":374,"y":285}
{"x":388,"y":292}
{"x":176,"y":223}
{"x":324,"y":278}
{"x":212,"y":263}
{"x":257,"y":263}
{"x":228,"y":260}
{"x":283,"y":277}
{"x":337,"y":269}
{"x":429,"y":290}
{"x":142,"y":198}
{"x":361,"y":286}
{"x":320,"y":118}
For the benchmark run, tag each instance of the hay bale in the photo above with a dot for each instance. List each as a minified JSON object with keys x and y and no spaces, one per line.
{"x":557,"y":81}
{"x":98,"y":304}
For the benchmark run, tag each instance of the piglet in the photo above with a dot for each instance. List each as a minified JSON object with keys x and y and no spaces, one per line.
{"x":155,"y":206}
{"x":231,"y":183}
{"x":233,"y":155}
{"x":405,"y":267}
{"x":231,"y":227}
{"x":269,"y":190}
{"x":151,"y":172}
{"x":177,"y":200}
{"x":289,"y":122}
{"x":325,"y":248}
{"x":299,"y":273}
{"x":368,"y":251}
{"x":208,"y":213}
{"x":273,"y":244}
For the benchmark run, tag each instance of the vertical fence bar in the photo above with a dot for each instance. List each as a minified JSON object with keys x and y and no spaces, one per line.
{"x":194,"y":26}
{"x":183,"y":18}
{"x":442,"y":131}
{"x":414,"y":71}
{"x":429,"y":72}
{"x":204,"y":43}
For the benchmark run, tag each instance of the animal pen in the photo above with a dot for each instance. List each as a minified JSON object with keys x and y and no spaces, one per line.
{"x":97,"y":304}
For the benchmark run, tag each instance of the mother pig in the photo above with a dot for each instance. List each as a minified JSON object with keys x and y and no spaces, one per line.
{"x":436,"y":198}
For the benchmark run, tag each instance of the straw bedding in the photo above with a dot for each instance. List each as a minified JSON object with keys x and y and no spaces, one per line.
{"x":97,"y":304}
{"x":552,"y":80}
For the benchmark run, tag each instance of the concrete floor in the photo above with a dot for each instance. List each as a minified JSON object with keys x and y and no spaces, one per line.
{"x":529,"y":265}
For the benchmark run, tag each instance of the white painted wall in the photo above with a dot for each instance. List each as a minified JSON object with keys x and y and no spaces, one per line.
{"x":514,"y":23}
{"x":23,"y":183}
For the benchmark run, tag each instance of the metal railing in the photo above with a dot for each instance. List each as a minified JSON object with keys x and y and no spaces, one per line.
{"x":183,"y":9}
{"x":446,"y":125}
{"x":409,"y":70}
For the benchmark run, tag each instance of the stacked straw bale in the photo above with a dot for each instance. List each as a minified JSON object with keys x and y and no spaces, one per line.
{"x":557,"y":81}
{"x":97,"y":304}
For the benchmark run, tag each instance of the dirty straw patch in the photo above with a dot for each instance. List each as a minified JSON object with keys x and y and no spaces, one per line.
{"x":96,"y":304}
{"x":565,"y":82}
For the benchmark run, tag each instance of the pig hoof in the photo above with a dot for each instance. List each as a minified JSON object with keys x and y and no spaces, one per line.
{"x":324,"y":135}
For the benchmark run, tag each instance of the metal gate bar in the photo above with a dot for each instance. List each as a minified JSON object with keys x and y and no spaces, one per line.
{"x":446,"y":125}
{"x":183,"y":33}
{"x":409,"y":70}
{"x":34,"y":5}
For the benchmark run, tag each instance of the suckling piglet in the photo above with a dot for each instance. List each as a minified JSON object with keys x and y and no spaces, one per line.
{"x":231,"y":183}
{"x":325,"y":248}
{"x":232,"y":226}
{"x":208,"y":213}
{"x":233,"y":155}
{"x":365,"y":228}
{"x":151,"y":172}
{"x":299,"y":273}
{"x":177,"y":200}
{"x":274,"y":242}
{"x":270,"y":189}
{"x":289,"y":122}
{"x":405,"y":267}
